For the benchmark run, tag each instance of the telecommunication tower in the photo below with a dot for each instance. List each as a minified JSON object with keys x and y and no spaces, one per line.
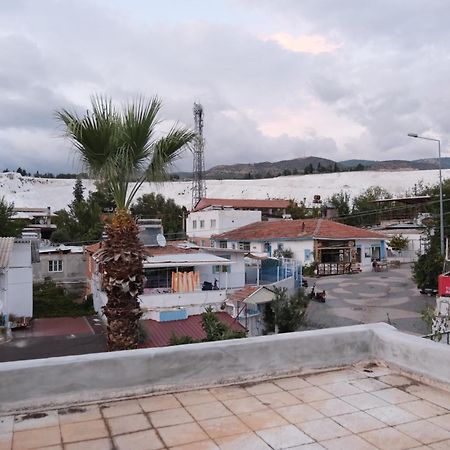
{"x":198,"y":170}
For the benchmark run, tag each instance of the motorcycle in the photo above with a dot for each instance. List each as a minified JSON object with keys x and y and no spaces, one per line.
{"x":318,"y":296}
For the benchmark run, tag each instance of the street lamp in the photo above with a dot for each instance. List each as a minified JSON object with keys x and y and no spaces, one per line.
{"x":441,"y":202}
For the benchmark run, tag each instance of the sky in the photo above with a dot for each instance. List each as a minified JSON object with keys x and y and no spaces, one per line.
{"x":277,"y":79}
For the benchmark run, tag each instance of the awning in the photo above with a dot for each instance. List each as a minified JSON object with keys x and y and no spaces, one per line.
{"x":186,"y":260}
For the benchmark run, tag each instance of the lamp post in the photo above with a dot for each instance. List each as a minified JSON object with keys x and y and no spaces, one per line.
{"x":441,"y":202}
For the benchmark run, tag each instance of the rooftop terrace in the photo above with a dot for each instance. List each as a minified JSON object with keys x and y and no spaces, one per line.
{"x":358,"y":387}
{"x":361,"y":407}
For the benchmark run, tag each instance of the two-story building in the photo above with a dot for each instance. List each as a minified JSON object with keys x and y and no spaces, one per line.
{"x":334,"y":247}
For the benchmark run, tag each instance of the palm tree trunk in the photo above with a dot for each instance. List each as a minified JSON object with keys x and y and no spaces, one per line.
{"x":122,"y":275}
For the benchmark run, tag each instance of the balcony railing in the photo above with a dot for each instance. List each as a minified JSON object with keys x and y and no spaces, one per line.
{"x":443,"y":338}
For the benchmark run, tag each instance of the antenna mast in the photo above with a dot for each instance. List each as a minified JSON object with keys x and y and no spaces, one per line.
{"x":198,"y":170}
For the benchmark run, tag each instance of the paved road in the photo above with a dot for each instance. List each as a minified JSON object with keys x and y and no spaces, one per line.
{"x":370,"y":297}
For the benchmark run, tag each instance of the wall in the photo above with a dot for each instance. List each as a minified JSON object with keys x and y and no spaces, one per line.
{"x":234,"y":278}
{"x":74,"y":267}
{"x":116,"y":374}
{"x":226,"y":220}
{"x":366,"y":248}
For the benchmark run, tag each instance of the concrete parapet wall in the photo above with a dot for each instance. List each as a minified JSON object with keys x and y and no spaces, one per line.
{"x":107,"y":375}
{"x":57,"y":381}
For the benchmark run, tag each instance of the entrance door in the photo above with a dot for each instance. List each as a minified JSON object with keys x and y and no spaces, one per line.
{"x":376,"y":253}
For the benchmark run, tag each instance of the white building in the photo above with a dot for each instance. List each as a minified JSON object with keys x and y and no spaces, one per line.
{"x":201,"y":225}
{"x":16,"y":278}
{"x":181,"y":281}
{"x":334,"y":247}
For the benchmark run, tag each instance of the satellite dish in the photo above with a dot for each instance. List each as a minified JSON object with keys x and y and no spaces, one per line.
{"x":161,"y":240}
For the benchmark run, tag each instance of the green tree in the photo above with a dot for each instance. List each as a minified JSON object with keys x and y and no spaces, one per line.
{"x":119,"y":145}
{"x":430,"y":264}
{"x":155,"y":206}
{"x":286,"y":312}
{"x":296,"y":211}
{"x":365,"y":210}
{"x":78,"y":191}
{"x":341,"y":202}
{"x":9,"y":227}
{"x":398,"y":242}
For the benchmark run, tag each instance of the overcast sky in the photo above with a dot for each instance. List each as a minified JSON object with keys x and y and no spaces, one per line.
{"x":278,"y":79}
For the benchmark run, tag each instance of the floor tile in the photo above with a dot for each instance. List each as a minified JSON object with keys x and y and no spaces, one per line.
{"x":390,"y":439}
{"x":314,"y":446}
{"x":195,"y":397}
{"x":424,"y":431}
{"x":159,"y":403}
{"x":142,"y":440}
{"x":340,"y":389}
{"x":6,"y":441}
{"x":323,"y":429}
{"x":247,"y":441}
{"x":97,"y":444}
{"x":83,"y":431}
{"x":392,"y":415}
{"x":229,"y":392}
{"x":394,"y":395}
{"x":291,"y":383}
{"x":278,"y":399}
{"x":299,"y":413}
{"x":122,"y":408}
{"x":39,"y":437}
{"x":128,"y":424}
{"x":333,"y":407}
{"x":244,"y":405}
{"x":374,"y":371}
{"x":36,"y":420}
{"x":334,"y":376}
{"x":312,"y":394}
{"x":351,"y":442}
{"x":395,"y":380}
{"x":442,"y":421}
{"x":182,"y":434}
{"x":170,"y":417}
{"x":208,"y":410}
{"x":263,"y":388}
{"x":224,"y":426}
{"x":369,"y":384}
{"x":359,"y":422}
{"x":423,"y":409}
{"x":443,"y":445}
{"x":259,"y":420}
{"x":364,"y":401}
{"x":203,"y":445}
{"x":284,"y":437}
{"x":79,"y":414}
{"x":431,"y":394}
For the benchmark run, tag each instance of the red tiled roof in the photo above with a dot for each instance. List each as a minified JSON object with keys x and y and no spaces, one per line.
{"x":93,"y":247}
{"x":295,"y":229}
{"x":241,"y":203}
{"x":160,"y":332}
{"x":244,"y":293}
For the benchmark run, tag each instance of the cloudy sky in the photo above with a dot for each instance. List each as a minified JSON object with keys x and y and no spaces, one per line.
{"x":277,"y":79}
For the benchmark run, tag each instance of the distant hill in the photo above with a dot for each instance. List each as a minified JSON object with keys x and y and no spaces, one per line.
{"x":269,"y":169}
{"x":300,"y":166}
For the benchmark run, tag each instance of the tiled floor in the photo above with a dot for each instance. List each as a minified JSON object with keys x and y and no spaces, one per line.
{"x":352,"y":409}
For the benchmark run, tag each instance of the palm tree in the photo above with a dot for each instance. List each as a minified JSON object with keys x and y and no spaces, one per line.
{"x":119,"y":146}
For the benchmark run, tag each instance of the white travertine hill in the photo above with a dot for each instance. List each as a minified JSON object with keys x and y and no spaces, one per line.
{"x":57,"y":193}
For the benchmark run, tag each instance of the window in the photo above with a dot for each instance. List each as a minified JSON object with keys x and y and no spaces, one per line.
{"x":213,"y":223}
{"x":55,"y":265}
{"x":223,"y":244}
{"x":194,"y":224}
{"x":223,"y":269}
{"x":244,"y":246}
{"x":202,"y":224}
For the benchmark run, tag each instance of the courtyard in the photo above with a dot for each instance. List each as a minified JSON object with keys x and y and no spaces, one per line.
{"x":370,"y":297}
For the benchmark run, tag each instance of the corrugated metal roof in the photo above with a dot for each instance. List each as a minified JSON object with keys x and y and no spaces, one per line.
{"x":242,"y":203}
{"x":160,"y":332}
{"x":6,"y":245}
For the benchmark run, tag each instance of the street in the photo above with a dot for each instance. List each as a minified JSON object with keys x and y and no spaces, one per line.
{"x":368,"y":297}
